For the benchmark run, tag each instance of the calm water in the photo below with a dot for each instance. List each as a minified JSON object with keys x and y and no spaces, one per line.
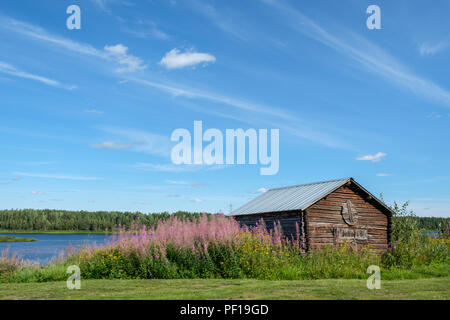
{"x":49,"y":246}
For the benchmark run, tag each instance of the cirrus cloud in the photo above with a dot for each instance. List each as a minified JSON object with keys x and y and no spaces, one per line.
{"x":175,"y":59}
{"x":177,"y":182}
{"x":260,"y":190}
{"x":110,"y":145}
{"x":94,"y":111}
{"x":13,"y":71}
{"x":56,"y":176}
{"x":372,"y":157}
{"x":129,"y":63}
{"x":428,"y":49}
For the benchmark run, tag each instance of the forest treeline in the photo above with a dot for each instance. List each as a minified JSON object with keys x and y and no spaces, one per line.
{"x":99,"y":221}
{"x":432,"y":223}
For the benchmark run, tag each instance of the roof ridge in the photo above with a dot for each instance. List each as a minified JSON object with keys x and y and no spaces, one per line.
{"x":311,"y":183}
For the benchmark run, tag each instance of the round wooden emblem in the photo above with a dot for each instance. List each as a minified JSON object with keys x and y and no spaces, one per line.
{"x":349,"y":213}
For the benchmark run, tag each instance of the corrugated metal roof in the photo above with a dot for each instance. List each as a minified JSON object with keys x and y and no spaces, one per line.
{"x":290,"y":198}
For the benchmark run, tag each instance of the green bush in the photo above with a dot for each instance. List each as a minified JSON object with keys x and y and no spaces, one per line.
{"x":53,"y":272}
{"x":411,"y":249}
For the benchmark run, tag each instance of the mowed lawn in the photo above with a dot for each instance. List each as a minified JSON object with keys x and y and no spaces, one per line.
{"x":433,"y":288}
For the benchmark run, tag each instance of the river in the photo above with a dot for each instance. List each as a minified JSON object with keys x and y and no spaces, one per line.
{"x":49,"y":246}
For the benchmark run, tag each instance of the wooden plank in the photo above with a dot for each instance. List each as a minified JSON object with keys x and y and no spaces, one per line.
{"x":326,"y":216}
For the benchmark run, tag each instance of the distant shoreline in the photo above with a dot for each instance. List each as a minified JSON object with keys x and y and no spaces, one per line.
{"x":15,"y":239}
{"x":53,"y":232}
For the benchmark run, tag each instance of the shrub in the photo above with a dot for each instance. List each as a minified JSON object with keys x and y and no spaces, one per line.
{"x":340,"y":262}
{"x":52,"y":272}
{"x":405,"y":227}
{"x":8,"y":265}
{"x":411,"y":248}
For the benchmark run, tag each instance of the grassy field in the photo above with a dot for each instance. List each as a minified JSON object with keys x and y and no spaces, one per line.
{"x":433,"y":288}
{"x":15,"y":239}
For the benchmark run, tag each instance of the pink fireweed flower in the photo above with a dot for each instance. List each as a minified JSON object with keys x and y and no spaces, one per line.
{"x":196,"y":235}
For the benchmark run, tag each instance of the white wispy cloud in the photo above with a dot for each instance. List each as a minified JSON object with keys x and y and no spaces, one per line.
{"x":151,"y":32}
{"x":178,"y":90}
{"x":372,"y":157}
{"x":129,"y":63}
{"x":260,"y":190}
{"x":117,"y":53}
{"x":37,"y":192}
{"x":110,"y":145}
{"x":170,"y":167}
{"x":147,"y":187}
{"x":94,"y":111}
{"x":226,"y":23}
{"x":290,"y":122}
{"x":428,"y":49}
{"x":13,"y":71}
{"x":38,"y":33}
{"x":177,"y":182}
{"x":174,"y":196}
{"x":384,"y":174}
{"x":142,"y":141}
{"x":166,"y":167}
{"x":56,"y":176}
{"x":434,"y":115}
{"x":39,"y":163}
{"x":198,"y":200}
{"x":145,"y":29}
{"x":185,"y":183}
{"x":175,"y":59}
{"x":143,"y":203}
{"x":198,"y":184}
{"x":433,"y":208}
{"x":103,"y":5}
{"x":369,"y":57}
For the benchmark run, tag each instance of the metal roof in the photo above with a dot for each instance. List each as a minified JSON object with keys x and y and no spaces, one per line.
{"x":290,"y":198}
{"x":298,"y":197}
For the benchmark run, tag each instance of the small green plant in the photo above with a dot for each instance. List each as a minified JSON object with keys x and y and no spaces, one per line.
{"x":404,"y":224}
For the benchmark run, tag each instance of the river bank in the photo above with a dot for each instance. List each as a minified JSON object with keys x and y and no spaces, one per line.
{"x":16,"y":239}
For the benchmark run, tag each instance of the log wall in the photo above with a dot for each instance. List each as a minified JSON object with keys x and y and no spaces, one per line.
{"x":287,"y":220}
{"x":326,"y":226}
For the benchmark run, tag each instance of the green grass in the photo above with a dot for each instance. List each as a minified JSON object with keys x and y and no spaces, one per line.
{"x":434,"y":288}
{"x":15,"y":239}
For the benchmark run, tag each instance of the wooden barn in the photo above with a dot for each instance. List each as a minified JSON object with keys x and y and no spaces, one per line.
{"x":326,"y":213}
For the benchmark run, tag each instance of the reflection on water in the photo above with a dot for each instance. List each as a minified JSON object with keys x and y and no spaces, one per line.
{"x":50,"y":246}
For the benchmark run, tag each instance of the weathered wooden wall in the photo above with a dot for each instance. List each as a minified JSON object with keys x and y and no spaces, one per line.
{"x":286,"y":219}
{"x":324,"y":221}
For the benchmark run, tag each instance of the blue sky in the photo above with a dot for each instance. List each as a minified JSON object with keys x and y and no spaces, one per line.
{"x":86,"y":115}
